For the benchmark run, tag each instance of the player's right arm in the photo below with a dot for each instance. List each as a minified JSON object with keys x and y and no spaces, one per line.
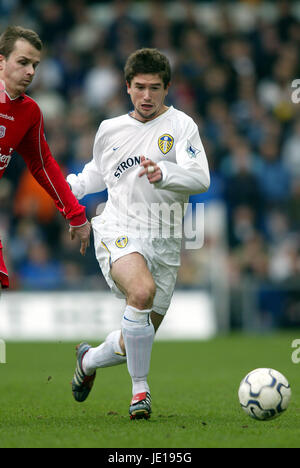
{"x":90,"y":180}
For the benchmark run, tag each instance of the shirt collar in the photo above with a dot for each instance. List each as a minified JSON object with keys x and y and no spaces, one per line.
{"x":21,"y":97}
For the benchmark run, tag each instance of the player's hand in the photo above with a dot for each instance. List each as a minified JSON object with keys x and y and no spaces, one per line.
{"x":151,"y":169}
{"x":83,"y":234}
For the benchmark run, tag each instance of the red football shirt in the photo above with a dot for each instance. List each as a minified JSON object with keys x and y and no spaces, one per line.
{"x":22,"y":130}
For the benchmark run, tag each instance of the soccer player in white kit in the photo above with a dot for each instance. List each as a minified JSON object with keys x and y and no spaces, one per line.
{"x":150,"y":161}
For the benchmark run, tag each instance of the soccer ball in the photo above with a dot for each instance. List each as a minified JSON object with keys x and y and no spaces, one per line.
{"x":264,"y":394}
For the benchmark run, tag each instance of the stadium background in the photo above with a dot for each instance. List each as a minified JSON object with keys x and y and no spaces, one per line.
{"x":234,"y":64}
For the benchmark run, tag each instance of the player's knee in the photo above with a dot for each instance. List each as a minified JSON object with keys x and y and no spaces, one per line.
{"x":142,"y":295}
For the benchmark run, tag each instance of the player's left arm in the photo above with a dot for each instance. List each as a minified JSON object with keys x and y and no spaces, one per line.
{"x":190,"y":173}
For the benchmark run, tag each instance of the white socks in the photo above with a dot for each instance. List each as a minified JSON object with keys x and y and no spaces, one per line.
{"x":138,"y":334}
{"x":107,"y":354}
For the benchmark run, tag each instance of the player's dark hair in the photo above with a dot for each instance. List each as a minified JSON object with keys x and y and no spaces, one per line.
{"x":148,"y":61}
{"x":12,"y":33}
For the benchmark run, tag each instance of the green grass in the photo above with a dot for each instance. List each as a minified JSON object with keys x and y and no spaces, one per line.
{"x":194,"y":390}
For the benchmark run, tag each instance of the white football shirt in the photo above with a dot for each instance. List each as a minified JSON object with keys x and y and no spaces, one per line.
{"x":172,"y":141}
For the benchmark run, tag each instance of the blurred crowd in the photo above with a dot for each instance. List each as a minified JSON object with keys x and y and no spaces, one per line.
{"x":235,"y":71}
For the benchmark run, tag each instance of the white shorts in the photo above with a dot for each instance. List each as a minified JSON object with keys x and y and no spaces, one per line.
{"x":162,"y":257}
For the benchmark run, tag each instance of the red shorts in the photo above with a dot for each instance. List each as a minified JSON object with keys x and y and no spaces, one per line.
{"x":3,"y":271}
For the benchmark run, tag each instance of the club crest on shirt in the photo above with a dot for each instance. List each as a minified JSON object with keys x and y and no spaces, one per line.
{"x":121,"y":242}
{"x":2,"y":131}
{"x":165,"y":143}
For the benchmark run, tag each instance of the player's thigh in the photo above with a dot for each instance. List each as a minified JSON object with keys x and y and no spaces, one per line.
{"x":132,"y":276}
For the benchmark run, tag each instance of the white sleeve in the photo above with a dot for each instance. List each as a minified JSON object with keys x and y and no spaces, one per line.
{"x":191,"y":173}
{"x":90,"y":180}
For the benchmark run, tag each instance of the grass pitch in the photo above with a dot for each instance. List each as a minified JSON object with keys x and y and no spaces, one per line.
{"x":194,"y":391}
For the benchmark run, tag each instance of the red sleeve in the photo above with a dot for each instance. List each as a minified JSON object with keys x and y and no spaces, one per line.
{"x":37,"y":155}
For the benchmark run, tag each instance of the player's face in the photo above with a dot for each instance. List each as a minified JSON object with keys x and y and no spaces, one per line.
{"x":18,"y":69}
{"x":147,"y":94}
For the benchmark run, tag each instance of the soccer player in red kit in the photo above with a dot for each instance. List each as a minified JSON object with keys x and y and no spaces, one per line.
{"x":22,"y":130}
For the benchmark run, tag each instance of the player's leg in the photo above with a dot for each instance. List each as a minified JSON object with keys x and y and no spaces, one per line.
{"x":133,"y":277}
{"x":112,"y":351}
{"x":156,"y":320}
{"x":108,"y":354}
